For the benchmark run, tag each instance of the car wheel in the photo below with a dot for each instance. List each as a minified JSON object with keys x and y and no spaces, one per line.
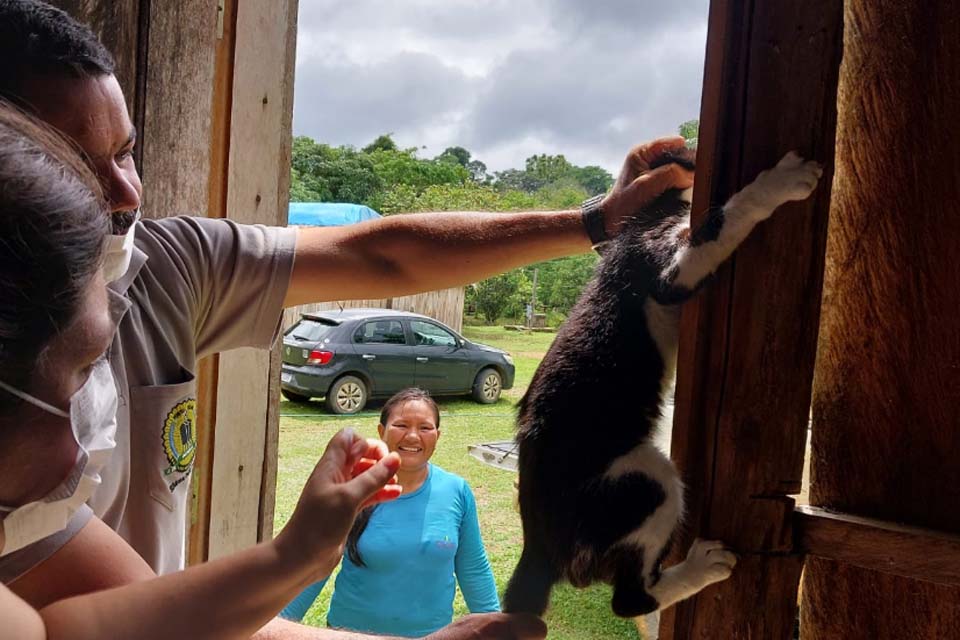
{"x":347,"y":395}
{"x":294,"y":397}
{"x":487,"y":386}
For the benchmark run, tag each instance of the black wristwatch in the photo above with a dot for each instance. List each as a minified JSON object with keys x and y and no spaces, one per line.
{"x":592,"y":214}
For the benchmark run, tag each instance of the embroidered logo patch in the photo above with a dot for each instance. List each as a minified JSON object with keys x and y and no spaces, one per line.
{"x":180,"y":437}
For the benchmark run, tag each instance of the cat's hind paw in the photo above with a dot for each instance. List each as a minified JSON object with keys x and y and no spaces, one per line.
{"x":710,"y":561}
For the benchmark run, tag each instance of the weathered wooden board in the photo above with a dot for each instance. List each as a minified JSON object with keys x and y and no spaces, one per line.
{"x":886,"y":410}
{"x":748,"y":342}
{"x":878,"y":545}
{"x":257,"y":191}
{"x":178,"y":94}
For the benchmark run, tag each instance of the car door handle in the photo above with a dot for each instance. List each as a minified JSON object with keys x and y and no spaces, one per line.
{"x":422,"y":359}
{"x":368,"y":356}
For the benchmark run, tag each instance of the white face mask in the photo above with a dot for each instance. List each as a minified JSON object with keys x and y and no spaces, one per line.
{"x":117,"y":252}
{"x":93,"y":419}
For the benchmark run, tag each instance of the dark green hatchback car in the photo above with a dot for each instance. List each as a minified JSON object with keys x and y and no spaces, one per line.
{"x":352,"y":355}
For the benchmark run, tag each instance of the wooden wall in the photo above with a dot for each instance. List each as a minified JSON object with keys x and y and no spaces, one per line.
{"x":445,"y":305}
{"x":886,"y":410}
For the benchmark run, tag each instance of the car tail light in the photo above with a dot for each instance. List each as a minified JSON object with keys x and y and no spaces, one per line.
{"x":320,"y":357}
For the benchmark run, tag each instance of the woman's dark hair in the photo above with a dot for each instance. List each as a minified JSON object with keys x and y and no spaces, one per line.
{"x":52,"y":227}
{"x":38,"y":39}
{"x":363,"y":518}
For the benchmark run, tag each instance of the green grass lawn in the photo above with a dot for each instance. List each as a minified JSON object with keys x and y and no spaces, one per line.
{"x":305,"y":430}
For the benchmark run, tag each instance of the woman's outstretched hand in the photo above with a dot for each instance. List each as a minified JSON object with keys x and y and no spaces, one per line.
{"x":353,"y":473}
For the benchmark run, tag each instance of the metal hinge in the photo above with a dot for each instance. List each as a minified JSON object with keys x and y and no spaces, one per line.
{"x":221,"y":8}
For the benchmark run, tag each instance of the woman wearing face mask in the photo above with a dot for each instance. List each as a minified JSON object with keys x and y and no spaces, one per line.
{"x":404,"y":559}
{"x":57,"y":425}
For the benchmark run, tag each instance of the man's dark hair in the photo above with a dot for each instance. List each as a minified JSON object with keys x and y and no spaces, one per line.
{"x":39,"y":39}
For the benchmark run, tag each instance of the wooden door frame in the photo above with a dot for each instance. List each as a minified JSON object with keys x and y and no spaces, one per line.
{"x":748,"y":342}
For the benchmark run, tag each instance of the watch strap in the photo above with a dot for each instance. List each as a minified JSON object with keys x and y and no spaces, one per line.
{"x":591,"y":213}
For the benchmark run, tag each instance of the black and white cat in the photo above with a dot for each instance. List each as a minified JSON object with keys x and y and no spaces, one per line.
{"x":599,"y":502}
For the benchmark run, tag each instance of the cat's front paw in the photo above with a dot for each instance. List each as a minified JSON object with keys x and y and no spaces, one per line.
{"x":710,"y":561}
{"x":792,"y":179}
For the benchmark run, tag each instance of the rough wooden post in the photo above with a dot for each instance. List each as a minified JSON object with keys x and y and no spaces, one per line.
{"x":886,"y":431}
{"x":748,"y":342}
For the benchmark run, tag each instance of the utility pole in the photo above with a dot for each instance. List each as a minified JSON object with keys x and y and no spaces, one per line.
{"x":533,"y":298}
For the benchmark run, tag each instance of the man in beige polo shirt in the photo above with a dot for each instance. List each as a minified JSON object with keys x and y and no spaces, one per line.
{"x":197,"y":286}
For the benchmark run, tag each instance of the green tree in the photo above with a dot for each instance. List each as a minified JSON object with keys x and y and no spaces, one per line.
{"x":515,"y":180}
{"x":562,"y":280}
{"x":332,"y":174}
{"x":690,"y":130}
{"x":561,"y":194}
{"x":595,"y":180}
{"x":404,"y":167}
{"x":459,"y":155}
{"x":546,"y":169}
{"x":382,"y":143}
{"x":550,"y":172}
{"x":300,"y":191}
{"x":455,"y":154}
{"x":493,"y":295}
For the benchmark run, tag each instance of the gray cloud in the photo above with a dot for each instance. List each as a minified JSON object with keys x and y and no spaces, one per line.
{"x":354,"y":103}
{"x":506,"y":80}
{"x":635,"y":18}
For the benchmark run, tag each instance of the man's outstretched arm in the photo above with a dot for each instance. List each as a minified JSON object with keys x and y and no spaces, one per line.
{"x":411,"y":253}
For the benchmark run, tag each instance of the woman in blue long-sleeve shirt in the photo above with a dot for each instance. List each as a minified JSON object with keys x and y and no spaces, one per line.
{"x":404,"y":558}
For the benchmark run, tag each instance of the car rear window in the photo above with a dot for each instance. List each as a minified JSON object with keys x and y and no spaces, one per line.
{"x":310,"y":330}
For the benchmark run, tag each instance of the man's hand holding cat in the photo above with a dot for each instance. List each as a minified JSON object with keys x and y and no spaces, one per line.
{"x":638,"y":186}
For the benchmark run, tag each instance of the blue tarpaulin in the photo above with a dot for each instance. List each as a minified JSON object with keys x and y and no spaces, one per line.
{"x":328,"y":214}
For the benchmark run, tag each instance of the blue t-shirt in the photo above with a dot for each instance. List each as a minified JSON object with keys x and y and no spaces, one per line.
{"x":416,"y":549}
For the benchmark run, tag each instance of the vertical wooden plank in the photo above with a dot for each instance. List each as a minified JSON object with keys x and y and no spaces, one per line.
{"x":117,"y":24}
{"x":286,"y":70}
{"x":886,"y":407}
{"x":177,"y":107}
{"x":748,"y":342}
{"x":208,"y":369}
{"x":259,"y":159}
{"x":177,"y":93}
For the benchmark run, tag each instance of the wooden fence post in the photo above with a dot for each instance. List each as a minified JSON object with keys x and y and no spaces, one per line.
{"x":886,"y":411}
{"x":748,"y":342}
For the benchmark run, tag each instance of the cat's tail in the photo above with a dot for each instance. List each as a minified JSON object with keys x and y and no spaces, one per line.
{"x":529,"y":588}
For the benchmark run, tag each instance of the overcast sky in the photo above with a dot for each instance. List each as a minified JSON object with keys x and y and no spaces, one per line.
{"x":505,"y":79}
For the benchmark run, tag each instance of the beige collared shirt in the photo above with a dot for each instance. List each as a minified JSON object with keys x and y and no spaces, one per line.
{"x":196,"y":287}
